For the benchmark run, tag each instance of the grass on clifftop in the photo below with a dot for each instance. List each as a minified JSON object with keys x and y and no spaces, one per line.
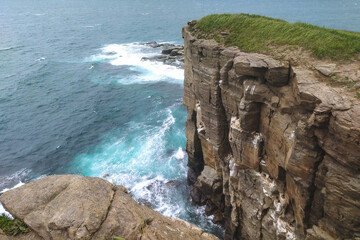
{"x":254,"y":33}
{"x":12,"y":226}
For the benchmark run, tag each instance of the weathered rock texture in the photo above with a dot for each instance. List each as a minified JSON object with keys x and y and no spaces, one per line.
{"x":76,"y":207}
{"x":274,"y":152}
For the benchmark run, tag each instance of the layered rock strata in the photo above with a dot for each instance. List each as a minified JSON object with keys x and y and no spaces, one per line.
{"x":76,"y":207}
{"x":274,"y":151}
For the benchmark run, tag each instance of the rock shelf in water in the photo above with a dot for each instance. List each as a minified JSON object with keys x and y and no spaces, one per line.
{"x":171,"y":54}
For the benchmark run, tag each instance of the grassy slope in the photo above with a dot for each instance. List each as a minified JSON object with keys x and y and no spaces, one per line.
{"x":255,"y":33}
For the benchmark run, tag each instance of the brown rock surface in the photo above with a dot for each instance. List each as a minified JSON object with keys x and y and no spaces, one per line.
{"x":61,"y":207}
{"x":283,"y":143}
{"x":76,"y":207}
{"x":25,"y":236}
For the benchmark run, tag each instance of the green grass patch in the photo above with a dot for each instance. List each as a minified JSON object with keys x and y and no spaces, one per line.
{"x":12,"y":226}
{"x":118,"y":238}
{"x":254,"y":33}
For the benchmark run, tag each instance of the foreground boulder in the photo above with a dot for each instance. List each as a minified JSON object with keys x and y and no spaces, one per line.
{"x":77,"y":207}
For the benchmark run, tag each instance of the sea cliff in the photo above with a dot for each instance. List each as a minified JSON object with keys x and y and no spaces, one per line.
{"x":273,"y":141}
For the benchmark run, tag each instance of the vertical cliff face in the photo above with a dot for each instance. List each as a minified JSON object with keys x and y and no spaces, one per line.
{"x":274,"y":152}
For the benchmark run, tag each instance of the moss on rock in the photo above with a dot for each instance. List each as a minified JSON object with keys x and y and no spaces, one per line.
{"x":12,"y":226}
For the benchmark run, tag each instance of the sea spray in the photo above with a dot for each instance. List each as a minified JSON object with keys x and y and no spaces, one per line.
{"x":132,"y":57}
{"x":147,"y":156}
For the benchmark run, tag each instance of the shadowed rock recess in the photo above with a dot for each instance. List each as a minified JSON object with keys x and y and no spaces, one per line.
{"x":273,"y":150}
{"x":75,"y":207}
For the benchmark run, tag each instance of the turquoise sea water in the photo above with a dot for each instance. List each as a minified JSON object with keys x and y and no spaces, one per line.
{"x":76,"y":98}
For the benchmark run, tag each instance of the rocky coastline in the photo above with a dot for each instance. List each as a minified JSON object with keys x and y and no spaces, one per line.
{"x":273,"y":153}
{"x":76,"y":207}
{"x":170,"y":54}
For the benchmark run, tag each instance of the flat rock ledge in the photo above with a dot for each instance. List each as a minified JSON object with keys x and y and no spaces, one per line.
{"x":77,"y":207}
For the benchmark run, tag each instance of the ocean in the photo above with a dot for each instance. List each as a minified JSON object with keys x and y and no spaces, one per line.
{"x":77,"y":98}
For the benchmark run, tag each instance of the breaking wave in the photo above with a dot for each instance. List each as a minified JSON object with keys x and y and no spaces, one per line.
{"x":131,"y":56}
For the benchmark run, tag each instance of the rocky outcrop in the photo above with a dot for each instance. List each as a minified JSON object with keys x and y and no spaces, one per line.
{"x":170,"y":54}
{"x":76,"y":207}
{"x":274,"y":151}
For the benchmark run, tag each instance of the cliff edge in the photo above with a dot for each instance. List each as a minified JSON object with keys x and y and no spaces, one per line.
{"x":76,"y":207}
{"x":273,"y":143}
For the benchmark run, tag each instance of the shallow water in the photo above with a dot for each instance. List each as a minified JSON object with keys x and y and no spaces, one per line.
{"x":75,"y":96}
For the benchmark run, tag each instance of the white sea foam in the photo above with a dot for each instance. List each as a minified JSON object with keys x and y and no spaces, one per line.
{"x":143,"y":184}
{"x":141,"y":162}
{"x":17,"y":185}
{"x":92,"y":26}
{"x":180,"y":154}
{"x":6,"y":48}
{"x":120,"y":156}
{"x":169,"y":210}
{"x":2,"y":210}
{"x":8,"y":182}
{"x":41,"y":59}
{"x":145,"y":189}
{"x":139,"y":158}
{"x":132,"y":55}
